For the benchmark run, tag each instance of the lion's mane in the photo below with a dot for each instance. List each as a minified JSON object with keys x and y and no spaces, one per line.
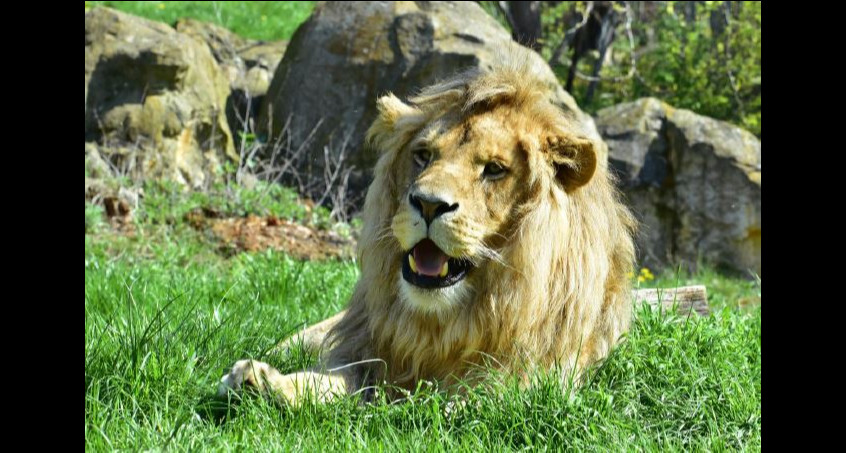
{"x":561,"y":294}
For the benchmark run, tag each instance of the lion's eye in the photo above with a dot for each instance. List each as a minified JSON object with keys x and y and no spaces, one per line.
{"x":422,"y":157}
{"x":494,"y":170}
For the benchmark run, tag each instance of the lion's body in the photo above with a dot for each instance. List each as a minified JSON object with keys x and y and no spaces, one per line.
{"x":550,"y":241}
{"x":561,"y":291}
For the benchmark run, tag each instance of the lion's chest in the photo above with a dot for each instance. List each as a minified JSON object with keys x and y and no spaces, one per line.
{"x":418,"y":349}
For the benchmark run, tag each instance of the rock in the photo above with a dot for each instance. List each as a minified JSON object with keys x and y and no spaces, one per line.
{"x":96,"y":189}
{"x":349,"y":53}
{"x":224,"y":44}
{"x":154,"y":100}
{"x":95,"y":166}
{"x":694,"y":182}
{"x":119,"y":203}
{"x":249,"y":66}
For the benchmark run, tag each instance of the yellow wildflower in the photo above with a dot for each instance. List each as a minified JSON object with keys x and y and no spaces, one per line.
{"x":646,"y":274}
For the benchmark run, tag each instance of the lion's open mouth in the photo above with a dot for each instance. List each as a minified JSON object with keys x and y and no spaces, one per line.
{"x":427,"y":266}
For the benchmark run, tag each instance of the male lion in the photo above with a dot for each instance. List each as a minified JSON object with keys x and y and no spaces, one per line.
{"x":492,"y":236}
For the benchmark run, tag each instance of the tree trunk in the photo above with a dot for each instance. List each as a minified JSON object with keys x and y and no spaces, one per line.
{"x":525,"y":21}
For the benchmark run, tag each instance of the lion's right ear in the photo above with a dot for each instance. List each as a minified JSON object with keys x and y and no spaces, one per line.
{"x":384,"y":128}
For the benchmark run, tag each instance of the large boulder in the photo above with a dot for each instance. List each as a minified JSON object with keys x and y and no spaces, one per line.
{"x":347,"y":54}
{"x":694,"y":182}
{"x":249,"y":66}
{"x":154,"y":100}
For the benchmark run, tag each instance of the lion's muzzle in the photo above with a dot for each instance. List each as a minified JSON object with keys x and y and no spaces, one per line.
{"x":427,"y":266}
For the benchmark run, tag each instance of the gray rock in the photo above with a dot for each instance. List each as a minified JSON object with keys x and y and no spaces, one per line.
{"x":694,"y":182}
{"x":154,"y":100}
{"x":349,"y":53}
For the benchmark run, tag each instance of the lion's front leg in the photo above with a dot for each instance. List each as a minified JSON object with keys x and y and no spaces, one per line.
{"x":291,"y":389}
{"x":311,"y":337}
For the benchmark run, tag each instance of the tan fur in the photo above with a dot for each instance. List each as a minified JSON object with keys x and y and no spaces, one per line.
{"x":551,"y":242}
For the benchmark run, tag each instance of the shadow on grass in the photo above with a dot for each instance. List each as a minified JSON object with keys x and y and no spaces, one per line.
{"x":217,"y":409}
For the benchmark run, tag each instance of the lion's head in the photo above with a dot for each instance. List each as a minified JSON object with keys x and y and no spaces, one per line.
{"x":491,"y":229}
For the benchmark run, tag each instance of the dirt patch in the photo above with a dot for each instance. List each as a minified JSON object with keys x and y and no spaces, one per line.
{"x":119,"y":215}
{"x":254,"y":233}
{"x":234,"y":234}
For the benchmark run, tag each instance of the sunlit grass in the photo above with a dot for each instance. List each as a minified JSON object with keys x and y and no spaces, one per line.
{"x":269,"y":21}
{"x":163,"y":326}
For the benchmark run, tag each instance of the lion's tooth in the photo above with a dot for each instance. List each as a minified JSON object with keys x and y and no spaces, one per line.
{"x":412,"y":264}
{"x":445,"y":269}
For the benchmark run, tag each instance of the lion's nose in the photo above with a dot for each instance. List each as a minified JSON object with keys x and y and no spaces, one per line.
{"x":430,"y":206}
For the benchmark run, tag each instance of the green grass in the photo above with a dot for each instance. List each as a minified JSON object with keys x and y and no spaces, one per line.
{"x":167,"y":203}
{"x":269,"y":21}
{"x":165,"y":317}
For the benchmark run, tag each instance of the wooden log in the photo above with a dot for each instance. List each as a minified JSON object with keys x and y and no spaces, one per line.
{"x":686,"y":299}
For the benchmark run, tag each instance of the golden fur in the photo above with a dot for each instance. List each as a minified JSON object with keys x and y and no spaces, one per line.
{"x":551,"y":242}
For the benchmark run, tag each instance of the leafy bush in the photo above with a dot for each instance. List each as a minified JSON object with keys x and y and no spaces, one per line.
{"x":710,"y":64}
{"x":702,"y":56}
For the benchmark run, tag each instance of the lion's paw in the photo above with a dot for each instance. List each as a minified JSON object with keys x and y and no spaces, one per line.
{"x":246,"y":374}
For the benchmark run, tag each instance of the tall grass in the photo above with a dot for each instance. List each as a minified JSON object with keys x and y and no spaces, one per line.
{"x":163,"y":324}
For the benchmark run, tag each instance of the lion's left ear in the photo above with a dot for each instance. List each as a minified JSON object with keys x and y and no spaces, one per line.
{"x":574,"y":160}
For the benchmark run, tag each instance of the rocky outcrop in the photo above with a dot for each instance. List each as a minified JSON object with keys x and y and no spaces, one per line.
{"x":694,"y":183}
{"x":248,"y":65}
{"x":154,"y":100}
{"x":162,"y":102}
{"x":348,"y":53}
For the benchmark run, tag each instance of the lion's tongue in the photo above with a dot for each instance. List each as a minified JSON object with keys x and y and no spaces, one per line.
{"x":429,"y":258}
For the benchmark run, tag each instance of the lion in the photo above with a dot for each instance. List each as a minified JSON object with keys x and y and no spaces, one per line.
{"x":493,"y":237}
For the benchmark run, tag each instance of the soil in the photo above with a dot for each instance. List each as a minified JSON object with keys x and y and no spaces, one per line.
{"x":235,"y":234}
{"x":254,"y":233}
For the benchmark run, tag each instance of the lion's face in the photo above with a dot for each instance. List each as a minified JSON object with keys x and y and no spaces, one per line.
{"x":462,"y":180}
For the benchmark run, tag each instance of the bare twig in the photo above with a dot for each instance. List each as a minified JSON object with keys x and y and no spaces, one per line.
{"x":632,"y":69}
{"x":559,"y":50}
